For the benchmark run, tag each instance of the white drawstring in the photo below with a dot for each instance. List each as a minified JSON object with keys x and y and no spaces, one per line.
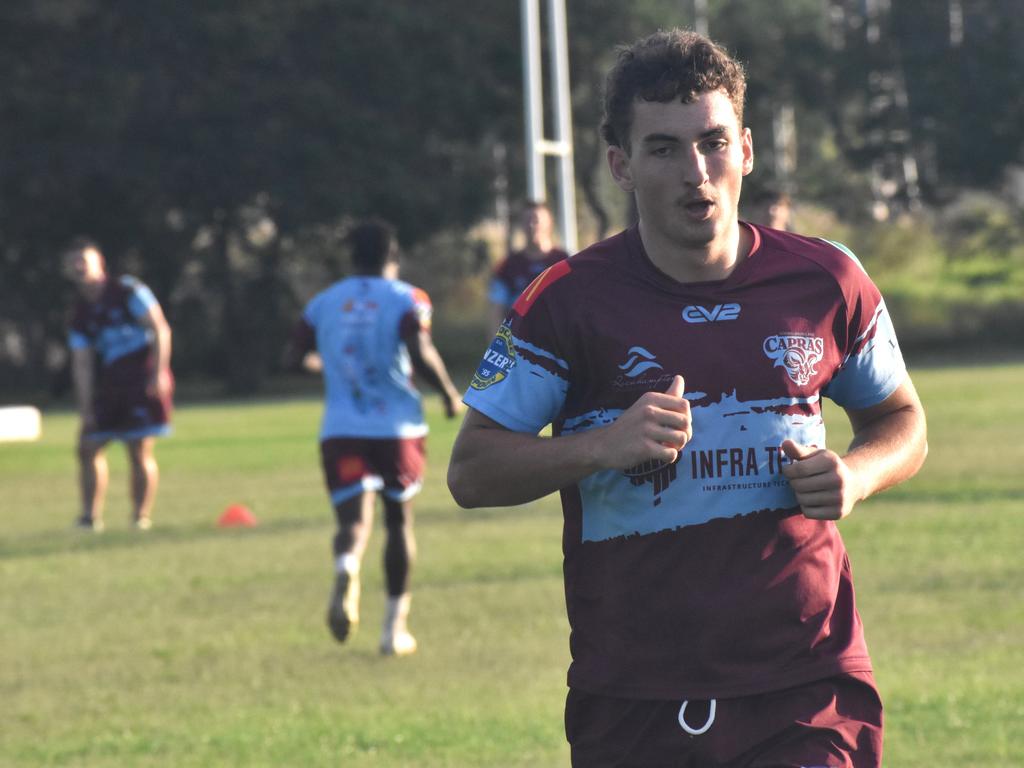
{"x":704,"y":728}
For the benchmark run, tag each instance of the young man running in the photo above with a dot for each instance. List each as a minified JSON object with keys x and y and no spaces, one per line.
{"x":681,"y":364}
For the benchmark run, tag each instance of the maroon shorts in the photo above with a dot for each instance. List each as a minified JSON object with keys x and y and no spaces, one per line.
{"x":835,"y":722}
{"x":128,"y":413}
{"x":356,"y":464}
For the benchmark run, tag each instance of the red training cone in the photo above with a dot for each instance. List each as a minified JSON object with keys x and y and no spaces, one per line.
{"x":237,"y":515}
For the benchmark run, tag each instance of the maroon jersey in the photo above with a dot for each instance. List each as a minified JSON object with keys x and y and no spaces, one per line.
{"x":517,"y":271}
{"x":701,"y":578}
{"x":111,"y":326}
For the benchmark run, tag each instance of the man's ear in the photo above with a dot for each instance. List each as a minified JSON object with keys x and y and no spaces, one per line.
{"x":618,"y":163}
{"x":748,"y":151}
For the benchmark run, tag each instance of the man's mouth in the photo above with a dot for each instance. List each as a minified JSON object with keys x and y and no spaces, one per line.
{"x":699,"y":209}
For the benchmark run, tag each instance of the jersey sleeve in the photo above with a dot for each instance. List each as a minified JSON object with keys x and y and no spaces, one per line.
{"x":499,"y":290}
{"x":78,"y":337}
{"x":872,"y":366}
{"x":499,"y":293}
{"x":418,"y":316}
{"x":78,"y":340}
{"x":140,"y":298}
{"x":523,"y":378}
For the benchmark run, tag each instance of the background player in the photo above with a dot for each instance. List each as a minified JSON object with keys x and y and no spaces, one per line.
{"x":120,"y":366}
{"x":371,"y":331}
{"x":519,"y":268}
{"x":709,"y":594}
{"x":770,"y":207}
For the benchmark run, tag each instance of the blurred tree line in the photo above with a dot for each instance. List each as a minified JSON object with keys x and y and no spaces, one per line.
{"x":220,"y":150}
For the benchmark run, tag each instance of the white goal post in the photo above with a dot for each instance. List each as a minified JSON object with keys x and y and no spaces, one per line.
{"x":537,"y":146}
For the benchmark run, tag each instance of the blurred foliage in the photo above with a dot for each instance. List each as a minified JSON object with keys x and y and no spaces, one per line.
{"x":953,"y":278}
{"x":219,"y":150}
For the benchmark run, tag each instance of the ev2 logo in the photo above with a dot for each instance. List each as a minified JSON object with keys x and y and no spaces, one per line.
{"x":695,"y":313}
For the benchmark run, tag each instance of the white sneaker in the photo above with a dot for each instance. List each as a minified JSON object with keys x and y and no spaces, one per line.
{"x":89,"y":524}
{"x":395,"y":639}
{"x":399,"y":643}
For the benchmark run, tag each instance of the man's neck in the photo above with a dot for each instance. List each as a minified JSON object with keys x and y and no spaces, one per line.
{"x":92,"y":290}
{"x":699,"y":263}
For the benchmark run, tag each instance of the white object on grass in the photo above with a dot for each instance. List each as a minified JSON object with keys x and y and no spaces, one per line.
{"x":20,"y":422}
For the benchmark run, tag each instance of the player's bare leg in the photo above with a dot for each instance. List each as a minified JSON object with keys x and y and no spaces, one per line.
{"x":93,"y":474}
{"x":399,"y":555}
{"x":145,"y":478}
{"x":355,"y":521}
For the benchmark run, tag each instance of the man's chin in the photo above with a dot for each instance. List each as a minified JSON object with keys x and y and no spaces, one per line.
{"x":696,"y":236}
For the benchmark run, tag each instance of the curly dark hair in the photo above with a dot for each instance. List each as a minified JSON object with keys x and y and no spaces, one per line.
{"x":662,"y":67}
{"x":373,"y":244}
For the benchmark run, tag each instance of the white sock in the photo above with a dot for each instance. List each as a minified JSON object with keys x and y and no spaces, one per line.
{"x":397,"y":612}
{"x":347,"y":563}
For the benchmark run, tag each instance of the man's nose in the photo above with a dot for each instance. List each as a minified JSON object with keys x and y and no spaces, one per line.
{"x":695,"y":169}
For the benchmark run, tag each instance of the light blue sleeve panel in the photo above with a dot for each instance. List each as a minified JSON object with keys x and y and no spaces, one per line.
{"x":141,"y":299}
{"x":874,"y":370}
{"x":519,"y":385}
{"x":498,"y":293}
{"x":78,"y":340}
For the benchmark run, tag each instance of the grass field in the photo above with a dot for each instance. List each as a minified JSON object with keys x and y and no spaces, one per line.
{"x":191,"y":645}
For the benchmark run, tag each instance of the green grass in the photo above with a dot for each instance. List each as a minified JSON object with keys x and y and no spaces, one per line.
{"x":197,"y":646}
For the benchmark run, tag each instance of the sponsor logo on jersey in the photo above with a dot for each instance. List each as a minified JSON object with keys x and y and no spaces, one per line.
{"x":695,"y":313}
{"x":658,"y":473}
{"x":639,"y":360}
{"x":499,"y":359}
{"x":641,"y":371}
{"x":798,"y":353}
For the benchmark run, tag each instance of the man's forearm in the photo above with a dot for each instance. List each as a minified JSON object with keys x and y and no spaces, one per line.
{"x":427,"y":362}
{"x":494,"y":466}
{"x":83,"y":394}
{"x":497,"y":467}
{"x":162,"y":347}
{"x":889,"y":450}
{"x":82,"y":378}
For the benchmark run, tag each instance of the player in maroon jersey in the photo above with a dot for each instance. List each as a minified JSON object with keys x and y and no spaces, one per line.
{"x":681,"y":365}
{"x":770,"y":207}
{"x":120,"y":365}
{"x":519,"y":268}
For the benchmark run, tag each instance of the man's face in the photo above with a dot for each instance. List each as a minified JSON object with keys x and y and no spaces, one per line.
{"x":84,"y":266}
{"x":537,"y":225}
{"x":686,"y":167}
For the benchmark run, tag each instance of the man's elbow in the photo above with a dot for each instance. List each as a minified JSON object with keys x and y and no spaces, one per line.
{"x":462,"y":488}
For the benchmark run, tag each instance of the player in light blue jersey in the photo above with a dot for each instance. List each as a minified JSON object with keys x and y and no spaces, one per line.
{"x":367,"y":334}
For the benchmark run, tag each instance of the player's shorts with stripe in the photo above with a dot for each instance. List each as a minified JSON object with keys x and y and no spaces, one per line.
{"x":836,"y":722}
{"x":356,"y":464}
{"x":128,"y":413}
